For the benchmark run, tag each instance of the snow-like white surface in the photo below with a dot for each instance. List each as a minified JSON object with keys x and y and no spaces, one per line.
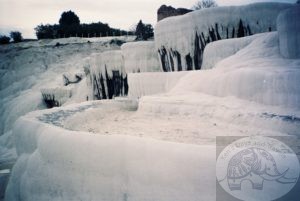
{"x":81,"y":92}
{"x":143,"y":84}
{"x":117,"y":159}
{"x":163,"y":146}
{"x":256,"y":73}
{"x":66,"y":41}
{"x":28,"y":67}
{"x":219,"y":50}
{"x":140,"y":57}
{"x":289,"y":32}
{"x":68,"y":165}
{"x":190,"y":118}
{"x":179,"y":33}
{"x":7,"y":151}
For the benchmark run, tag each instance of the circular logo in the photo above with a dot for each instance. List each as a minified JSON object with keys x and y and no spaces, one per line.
{"x":257,"y":168}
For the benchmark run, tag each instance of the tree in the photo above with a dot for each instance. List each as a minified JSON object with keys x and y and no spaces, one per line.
{"x":204,"y":4}
{"x":139,"y":31}
{"x":143,"y":31}
{"x":148,"y":31}
{"x":4,"y":39}
{"x":241,"y":31}
{"x":46,"y":31}
{"x":69,"y":18}
{"x":69,"y":24}
{"x":16,"y":36}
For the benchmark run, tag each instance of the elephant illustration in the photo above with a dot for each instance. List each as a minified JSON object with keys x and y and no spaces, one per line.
{"x":255,"y":165}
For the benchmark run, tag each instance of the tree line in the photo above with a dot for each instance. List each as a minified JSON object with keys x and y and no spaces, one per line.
{"x":69,"y":26}
{"x":16,"y":36}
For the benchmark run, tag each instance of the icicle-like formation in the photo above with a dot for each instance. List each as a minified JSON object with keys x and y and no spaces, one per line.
{"x":140,"y":57}
{"x":55,"y":97}
{"x":108,"y":76}
{"x":181,"y":40}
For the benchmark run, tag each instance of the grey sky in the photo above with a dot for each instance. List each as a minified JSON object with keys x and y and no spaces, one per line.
{"x":24,"y":15}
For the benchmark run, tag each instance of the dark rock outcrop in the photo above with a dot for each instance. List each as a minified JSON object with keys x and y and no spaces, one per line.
{"x":168,"y":11}
{"x":75,"y":80}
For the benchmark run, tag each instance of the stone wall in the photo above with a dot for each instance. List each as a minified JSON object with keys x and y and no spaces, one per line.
{"x":168,"y":11}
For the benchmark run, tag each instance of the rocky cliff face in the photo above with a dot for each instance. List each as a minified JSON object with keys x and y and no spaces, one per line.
{"x":181,"y":40}
{"x":168,"y":11}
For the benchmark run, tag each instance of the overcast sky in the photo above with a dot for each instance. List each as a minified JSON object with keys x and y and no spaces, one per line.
{"x":24,"y":15}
